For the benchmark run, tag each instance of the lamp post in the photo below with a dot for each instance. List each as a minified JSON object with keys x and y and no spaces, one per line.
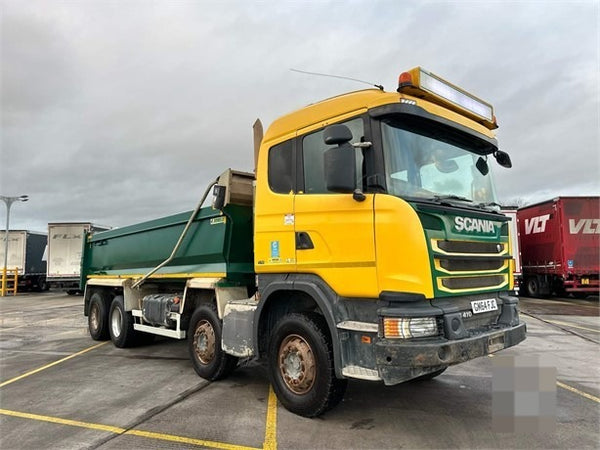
{"x":8,"y":201}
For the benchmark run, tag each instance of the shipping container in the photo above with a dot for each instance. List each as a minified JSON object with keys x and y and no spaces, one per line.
{"x":65,"y":243}
{"x":559,"y":246}
{"x":25,"y":253}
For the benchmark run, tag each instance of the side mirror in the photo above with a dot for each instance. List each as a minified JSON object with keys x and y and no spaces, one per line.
{"x":337,"y":134}
{"x":340,"y":168}
{"x":503,"y":159}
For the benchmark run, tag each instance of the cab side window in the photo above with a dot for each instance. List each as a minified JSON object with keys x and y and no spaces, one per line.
{"x":313,"y":149}
{"x":281,"y":157}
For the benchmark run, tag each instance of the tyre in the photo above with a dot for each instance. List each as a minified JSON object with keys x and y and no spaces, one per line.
{"x":42,"y":285}
{"x":98,"y":317}
{"x":120,"y":324}
{"x":532,"y":287}
{"x":204,"y":345}
{"x":301,"y":366}
{"x":430,"y":376}
{"x":580,"y":295}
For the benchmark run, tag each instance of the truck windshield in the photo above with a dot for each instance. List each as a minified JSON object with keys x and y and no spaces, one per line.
{"x":430,"y":163}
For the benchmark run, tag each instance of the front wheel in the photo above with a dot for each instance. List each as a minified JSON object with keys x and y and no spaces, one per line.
{"x":204,"y":345}
{"x":301,"y":365}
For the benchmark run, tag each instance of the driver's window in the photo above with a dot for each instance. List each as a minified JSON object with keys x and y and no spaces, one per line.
{"x":313,"y":149}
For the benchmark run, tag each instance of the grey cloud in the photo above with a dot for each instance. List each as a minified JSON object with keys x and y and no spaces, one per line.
{"x":118,"y":111}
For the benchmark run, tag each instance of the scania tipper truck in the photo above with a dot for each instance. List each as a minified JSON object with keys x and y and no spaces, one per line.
{"x":367,"y":245}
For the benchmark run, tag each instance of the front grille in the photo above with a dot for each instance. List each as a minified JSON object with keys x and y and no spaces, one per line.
{"x":462,"y":265}
{"x":473,"y":282}
{"x":471,"y":247}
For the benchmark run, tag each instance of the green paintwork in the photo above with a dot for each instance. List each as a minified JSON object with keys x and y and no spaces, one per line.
{"x":217,"y":242}
{"x":441,"y":224}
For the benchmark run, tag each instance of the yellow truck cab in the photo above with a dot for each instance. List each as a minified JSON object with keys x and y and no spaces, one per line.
{"x":377,"y":236}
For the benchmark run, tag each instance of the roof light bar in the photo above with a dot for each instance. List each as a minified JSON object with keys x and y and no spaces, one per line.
{"x":418,"y":79}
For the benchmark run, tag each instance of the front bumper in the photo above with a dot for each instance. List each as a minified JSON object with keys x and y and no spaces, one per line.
{"x":399,"y":360}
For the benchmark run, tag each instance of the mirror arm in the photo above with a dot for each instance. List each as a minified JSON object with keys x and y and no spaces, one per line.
{"x":358,"y":195}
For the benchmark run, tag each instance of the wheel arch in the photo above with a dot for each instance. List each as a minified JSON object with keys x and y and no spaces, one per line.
{"x":300,"y":296}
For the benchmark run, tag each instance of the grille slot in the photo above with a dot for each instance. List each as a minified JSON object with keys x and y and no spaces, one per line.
{"x":470,"y":247}
{"x":462,"y":265}
{"x":473,"y":282}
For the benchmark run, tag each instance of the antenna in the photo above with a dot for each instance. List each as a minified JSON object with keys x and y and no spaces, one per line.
{"x":378,"y":86}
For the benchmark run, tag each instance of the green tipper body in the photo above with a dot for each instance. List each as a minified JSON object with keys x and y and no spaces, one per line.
{"x":218,"y":244}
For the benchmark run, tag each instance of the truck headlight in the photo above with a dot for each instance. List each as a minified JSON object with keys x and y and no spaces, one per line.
{"x":409,"y":327}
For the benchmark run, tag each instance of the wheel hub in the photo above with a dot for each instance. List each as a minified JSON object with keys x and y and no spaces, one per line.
{"x":116,"y":322}
{"x":204,"y":342}
{"x":297,"y":364}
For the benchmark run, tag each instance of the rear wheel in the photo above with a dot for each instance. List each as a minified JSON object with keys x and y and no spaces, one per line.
{"x":121,"y":324}
{"x":204,"y":345}
{"x":301,"y":365}
{"x":532,"y":287}
{"x":98,"y":317}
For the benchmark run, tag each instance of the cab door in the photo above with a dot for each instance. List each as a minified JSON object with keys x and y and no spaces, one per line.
{"x":334,"y":232}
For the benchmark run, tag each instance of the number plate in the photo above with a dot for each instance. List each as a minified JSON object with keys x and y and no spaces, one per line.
{"x":482,"y":306}
{"x":585,"y":281}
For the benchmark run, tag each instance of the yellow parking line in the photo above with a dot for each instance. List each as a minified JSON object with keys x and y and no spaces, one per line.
{"x":271,"y":427}
{"x":123,"y":431}
{"x":47,"y":366}
{"x":73,"y":423}
{"x":577,"y":391}
{"x":186,"y":440}
{"x":557,"y":322}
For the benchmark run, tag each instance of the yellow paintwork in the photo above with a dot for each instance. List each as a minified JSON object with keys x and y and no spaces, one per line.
{"x":166,"y":275}
{"x":402,"y":257}
{"x":341,"y":230}
{"x":345,"y":233}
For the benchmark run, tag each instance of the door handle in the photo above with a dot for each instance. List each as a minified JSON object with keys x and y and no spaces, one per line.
{"x":303,"y":241}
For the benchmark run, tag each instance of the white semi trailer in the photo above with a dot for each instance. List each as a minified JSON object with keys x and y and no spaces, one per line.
{"x":65,"y":241}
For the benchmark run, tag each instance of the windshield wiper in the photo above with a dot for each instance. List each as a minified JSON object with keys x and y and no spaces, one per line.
{"x":440,"y":198}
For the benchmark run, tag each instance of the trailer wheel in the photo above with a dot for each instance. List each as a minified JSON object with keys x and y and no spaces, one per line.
{"x":532,"y":287}
{"x":204,"y":345}
{"x":121,"y":324}
{"x":98,"y":318}
{"x":301,"y":365}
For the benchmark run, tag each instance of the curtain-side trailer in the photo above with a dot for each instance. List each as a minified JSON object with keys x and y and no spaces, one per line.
{"x":560,"y":246}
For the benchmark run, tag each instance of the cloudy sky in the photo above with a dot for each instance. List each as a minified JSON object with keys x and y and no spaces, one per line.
{"x":119,"y":111}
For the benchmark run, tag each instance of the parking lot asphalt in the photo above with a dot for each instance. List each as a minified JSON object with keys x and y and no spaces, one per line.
{"x":61,"y":389}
